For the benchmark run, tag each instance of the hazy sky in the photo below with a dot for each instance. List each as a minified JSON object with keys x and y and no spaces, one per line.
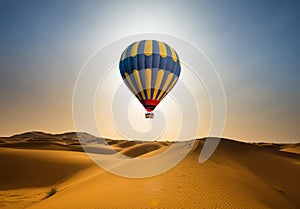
{"x":255,"y":46}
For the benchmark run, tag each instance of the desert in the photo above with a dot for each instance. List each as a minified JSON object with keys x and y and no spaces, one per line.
{"x":40,"y":170}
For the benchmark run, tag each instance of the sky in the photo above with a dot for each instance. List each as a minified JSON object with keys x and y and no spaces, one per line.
{"x":254,"y":45}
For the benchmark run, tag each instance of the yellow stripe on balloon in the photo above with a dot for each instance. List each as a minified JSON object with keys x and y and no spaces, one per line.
{"x":159,"y":78}
{"x":170,"y":87}
{"x":148,"y":48}
{"x":134,"y":49}
{"x":131,"y":86}
{"x":124,"y":54}
{"x":138,"y":81}
{"x":162,"y":49}
{"x":169,"y":78}
{"x":174,"y":56}
{"x":148,"y":82}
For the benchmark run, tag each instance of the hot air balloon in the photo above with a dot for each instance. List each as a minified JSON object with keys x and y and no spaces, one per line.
{"x":150,"y":69}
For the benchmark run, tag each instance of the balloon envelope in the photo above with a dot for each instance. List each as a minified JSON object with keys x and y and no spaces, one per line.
{"x":150,"y":69}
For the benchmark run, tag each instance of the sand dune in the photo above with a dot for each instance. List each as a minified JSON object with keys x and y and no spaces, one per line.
{"x":238,"y":175}
{"x":44,"y":141}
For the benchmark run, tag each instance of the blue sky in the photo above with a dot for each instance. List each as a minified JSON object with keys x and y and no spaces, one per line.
{"x":254,"y":45}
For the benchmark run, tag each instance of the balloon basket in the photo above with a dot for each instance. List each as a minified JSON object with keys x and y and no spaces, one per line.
{"x":149,"y":115}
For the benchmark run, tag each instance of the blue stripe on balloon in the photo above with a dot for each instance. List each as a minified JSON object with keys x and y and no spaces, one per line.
{"x":153,"y":80}
{"x":148,"y":61}
{"x":155,"y":60}
{"x":155,"y":47}
{"x":173,"y":66}
{"x":176,"y":65}
{"x":121,"y":67}
{"x":178,"y":69}
{"x":153,"y":77}
{"x":134,"y":62}
{"x":126,"y":62}
{"x":128,"y":52}
{"x":169,"y":63}
{"x":169,"y":52}
{"x":141,"y":47}
{"x":143,"y":78}
{"x":141,"y":61}
{"x":127,"y":65}
{"x":169,"y":59}
{"x":163,"y":63}
{"x":134,"y":82}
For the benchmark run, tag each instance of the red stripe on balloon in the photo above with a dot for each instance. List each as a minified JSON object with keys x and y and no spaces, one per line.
{"x":150,"y":104}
